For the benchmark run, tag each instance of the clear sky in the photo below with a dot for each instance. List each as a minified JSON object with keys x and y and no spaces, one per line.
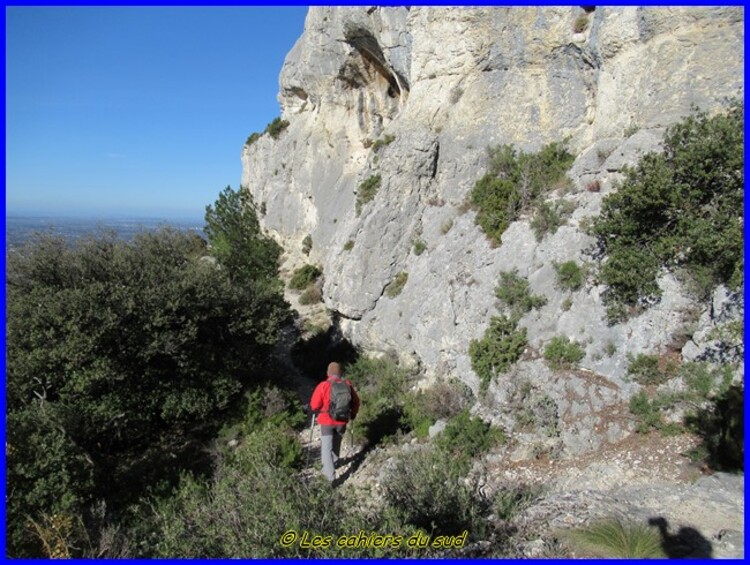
{"x":136,"y":111}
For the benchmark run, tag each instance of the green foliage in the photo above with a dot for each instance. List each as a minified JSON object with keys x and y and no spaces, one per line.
{"x":682,"y":209}
{"x":501,"y":346}
{"x":466,"y":438}
{"x":419,"y":247}
{"x":443,"y":400}
{"x":304,"y":276}
{"x":387,"y":140}
{"x":651,"y":369}
{"x":121,"y":357}
{"x":381,"y":386}
{"x":617,"y":538}
{"x":367,"y":190}
{"x":307,"y":244}
{"x":394,"y":288}
{"x":562,"y":353}
{"x":704,"y":380}
{"x":275,"y":128}
{"x":349,"y":245}
{"x":548,"y":217}
{"x":244,"y":511}
{"x":513,"y":182}
{"x":705,"y":385}
{"x":263,"y":407}
{"x":570,"y":276}
{"x":412,"y":487}
{"x":237,"y":241}
{"x":514,"y":291}
{"x":648,"y":411}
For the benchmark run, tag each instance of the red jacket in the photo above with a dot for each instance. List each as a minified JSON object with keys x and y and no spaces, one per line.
{"x":322,"y":396}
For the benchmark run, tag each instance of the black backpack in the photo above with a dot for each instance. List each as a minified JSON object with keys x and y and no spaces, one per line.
{"x":340,"y":404}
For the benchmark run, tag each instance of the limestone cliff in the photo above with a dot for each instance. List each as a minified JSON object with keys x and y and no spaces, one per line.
{"x":416,"y":96}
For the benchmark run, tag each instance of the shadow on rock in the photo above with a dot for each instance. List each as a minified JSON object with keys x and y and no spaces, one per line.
{"x":687,"y":542}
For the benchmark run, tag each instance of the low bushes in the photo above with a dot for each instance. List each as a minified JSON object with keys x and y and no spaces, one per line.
{"x":513,"y":182}
{"x":367,"y":190}
{"x":304,"y":276}
{"x":394,"y":288}
{"x":570,"y":276}
{"x":562,"y":353}
{"x":514,"y":291}
{"x":501,"y":346}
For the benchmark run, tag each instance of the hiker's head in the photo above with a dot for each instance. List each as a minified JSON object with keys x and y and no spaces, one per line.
{"x":334,"y":370}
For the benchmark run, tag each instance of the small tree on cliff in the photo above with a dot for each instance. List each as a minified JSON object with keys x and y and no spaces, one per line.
{"x":237,"y":241}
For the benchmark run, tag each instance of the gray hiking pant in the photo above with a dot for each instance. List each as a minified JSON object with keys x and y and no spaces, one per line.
{"x":330,"y":447}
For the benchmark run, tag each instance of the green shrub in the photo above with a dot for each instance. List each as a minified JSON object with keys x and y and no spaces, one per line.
{"x":569,"y":275}
{"x":262,"y":407}
{"x":704,"y":380}
{"x":466,"y":437}
{"x":514,"y":291}
{"x":419,"y":247}
{"x":138,"y":350}
{"x":367,"y":190}
{"x":244,"y":510}
{"x":681,"y":209}
{"x":562,"y":353}
{"x":648,"y":411}
{"x":394,"y":288}
{"x":307,"y":244}
{"x":411,"y":490}
{"x":349,"y":245}
{"x":381,"y":385}
{"x":501,"y":346}
{"x":617,"y":538}
{"x":387,"y":140}
{"x":442,"y":400}
{"x":651,"y":369}
{"x":237,"y":241}
{"x":252,"y":138}
{"x":566,"y":304}
{"x":710,"y":405}
{"x":304,"y":276}
{"x":275,"y":128}
{"x":513,"y":182}
{"x":548,"y":217}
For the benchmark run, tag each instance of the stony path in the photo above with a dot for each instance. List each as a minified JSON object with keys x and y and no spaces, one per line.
{"x":641,"y":478}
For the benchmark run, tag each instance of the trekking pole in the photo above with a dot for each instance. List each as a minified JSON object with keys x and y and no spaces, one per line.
{"x":351,"y":437}
{"x":309,"y":447}
{"x":312,"y":426}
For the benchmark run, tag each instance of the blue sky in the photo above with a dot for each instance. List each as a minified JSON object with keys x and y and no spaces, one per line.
{"x":136,"y":111}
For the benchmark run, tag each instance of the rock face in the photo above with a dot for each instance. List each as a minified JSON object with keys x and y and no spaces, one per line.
{"x":414,"y":97}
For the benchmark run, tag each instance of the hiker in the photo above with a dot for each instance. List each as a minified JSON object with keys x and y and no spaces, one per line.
{"x":333,"y":419}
